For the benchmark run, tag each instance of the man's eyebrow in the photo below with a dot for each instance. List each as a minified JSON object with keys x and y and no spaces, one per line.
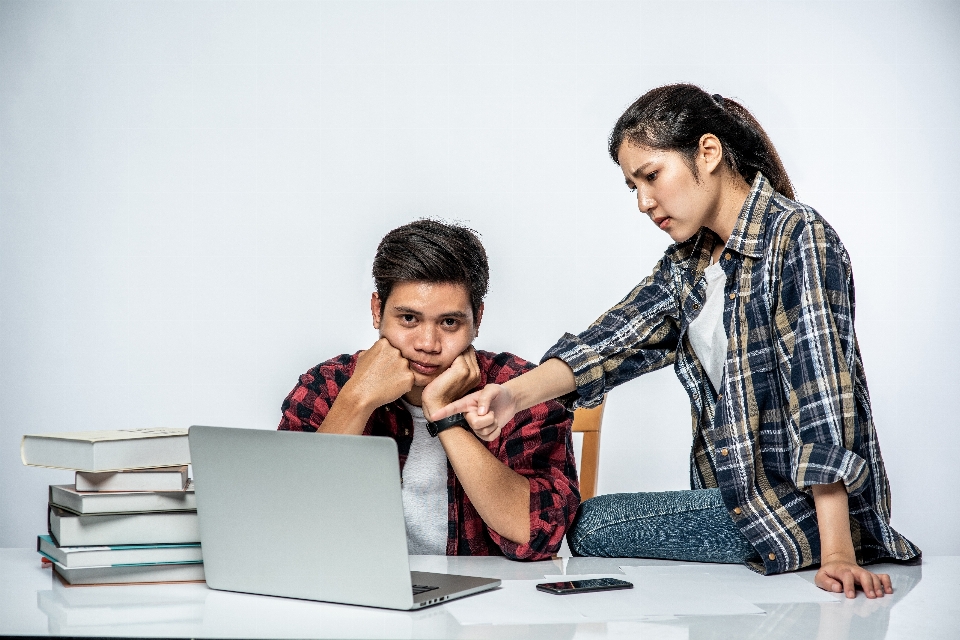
{"x":408,"y":310}
{"x":449,"y":314}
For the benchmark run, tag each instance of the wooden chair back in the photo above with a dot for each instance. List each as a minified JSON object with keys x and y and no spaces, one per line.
{"x":587,"y":422}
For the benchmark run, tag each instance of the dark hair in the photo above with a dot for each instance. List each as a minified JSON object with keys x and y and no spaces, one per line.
{"x":432,"y":251}
{"x":674,"y":117}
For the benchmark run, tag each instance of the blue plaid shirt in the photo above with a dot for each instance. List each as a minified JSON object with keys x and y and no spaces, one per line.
{"x":792,"y":410}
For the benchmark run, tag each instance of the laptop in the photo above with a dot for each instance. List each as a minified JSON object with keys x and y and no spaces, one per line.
{"x":310,"y":515}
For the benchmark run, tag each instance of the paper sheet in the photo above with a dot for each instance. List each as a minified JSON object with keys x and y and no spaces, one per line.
{"x":515,"y":602}
{"x":740,"y":581}
{"x":658,"y":595}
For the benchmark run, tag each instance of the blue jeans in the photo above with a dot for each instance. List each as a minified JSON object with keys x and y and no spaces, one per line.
{"x":674,"y":525}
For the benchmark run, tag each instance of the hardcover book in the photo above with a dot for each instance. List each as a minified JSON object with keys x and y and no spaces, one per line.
{"x":159,"y":479}
{"x":105,"y":556}
{"x":67,"y":497}
{"x":162,"y":527}
{"x":181,"y":572}
{"x":107,"y":450}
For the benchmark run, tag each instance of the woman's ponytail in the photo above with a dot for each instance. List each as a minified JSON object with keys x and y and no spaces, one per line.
{"x":674,"y":117}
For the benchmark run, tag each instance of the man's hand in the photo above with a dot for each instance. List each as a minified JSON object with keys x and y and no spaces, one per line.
{"x":462,"y":376}
{"x":487,"y":411}
{"x":382,"y":375}
{"x":842,"y":576}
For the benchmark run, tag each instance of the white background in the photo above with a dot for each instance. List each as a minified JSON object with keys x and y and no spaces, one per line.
{"x":191,"y":195}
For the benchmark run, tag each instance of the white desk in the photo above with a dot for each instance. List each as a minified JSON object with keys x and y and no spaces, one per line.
{"x":32,"y":602}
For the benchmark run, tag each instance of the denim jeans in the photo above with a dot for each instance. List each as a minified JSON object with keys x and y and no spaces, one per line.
{"x":675,"y":525}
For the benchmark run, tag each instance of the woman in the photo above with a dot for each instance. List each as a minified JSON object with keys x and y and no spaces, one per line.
{"x":753,"y":305}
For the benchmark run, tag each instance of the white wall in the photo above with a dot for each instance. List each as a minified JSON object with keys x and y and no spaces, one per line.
{"x":191,"y":194}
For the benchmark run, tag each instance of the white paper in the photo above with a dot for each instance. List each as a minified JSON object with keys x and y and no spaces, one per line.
{"x":752,"y":587}
{"x":656,"y":595}
{"x":515,"y":602}
{"x":662,"y":591}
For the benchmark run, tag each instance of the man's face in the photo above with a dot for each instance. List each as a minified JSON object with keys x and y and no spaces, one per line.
{"x":430,"y":323}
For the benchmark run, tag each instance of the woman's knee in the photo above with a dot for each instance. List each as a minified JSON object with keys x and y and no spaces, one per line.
{"x":645,"y":524}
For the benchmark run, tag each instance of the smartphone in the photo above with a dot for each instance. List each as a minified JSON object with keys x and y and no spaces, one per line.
{"x":584,"y":586}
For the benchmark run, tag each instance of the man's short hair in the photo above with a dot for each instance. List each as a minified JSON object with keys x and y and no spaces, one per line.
{"x":432,"y":251}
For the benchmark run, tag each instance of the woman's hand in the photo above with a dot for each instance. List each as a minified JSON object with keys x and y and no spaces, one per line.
{"x":487,"y":411}
{"x":839,"y":571}
{"x":843,"y":576}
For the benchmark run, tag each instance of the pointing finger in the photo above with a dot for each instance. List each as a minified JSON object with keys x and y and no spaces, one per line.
{"x":462,"y":405}
{"x":485,"y":397}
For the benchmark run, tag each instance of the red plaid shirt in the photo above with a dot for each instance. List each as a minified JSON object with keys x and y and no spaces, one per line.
{"x":536,"y":444}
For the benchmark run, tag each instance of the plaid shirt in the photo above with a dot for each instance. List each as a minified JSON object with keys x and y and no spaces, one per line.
{"x":793,"y":409}
{"x":536,"y":444}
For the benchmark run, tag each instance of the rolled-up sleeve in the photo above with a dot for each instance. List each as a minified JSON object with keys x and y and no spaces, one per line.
{"x":539,"y":447}
{"x":307,"y":405}
{"x":638,"y":335}
{"x":817,"y":286}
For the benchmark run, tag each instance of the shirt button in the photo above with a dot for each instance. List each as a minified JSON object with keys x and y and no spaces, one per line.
{"x":696,"y":305}
{"x":737,"y":510}
{"x":726,"y":256}
{"x":772,"y":556}
{"x":720,"y":397}
{"x":724,"y":451}
{"x":732,"y":296}
{"x":406,"y":432}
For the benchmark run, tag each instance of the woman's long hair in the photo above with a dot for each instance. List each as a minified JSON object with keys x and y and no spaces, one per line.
{"x":674,"y":117}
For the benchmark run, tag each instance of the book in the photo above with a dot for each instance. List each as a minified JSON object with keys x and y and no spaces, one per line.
{"x":134,"y":573}
{"x":160,"y":527}
{"x":103,"y":556}
{"x":107,"y":450}
{"x":123,"y":598}
{"x":159,"y":479}
{"x":67,"y":497}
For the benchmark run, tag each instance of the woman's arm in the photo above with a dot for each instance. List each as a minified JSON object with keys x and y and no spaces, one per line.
{"x":636,"y":336}
{"x":839,"y":571}
{"x":489,"y":409}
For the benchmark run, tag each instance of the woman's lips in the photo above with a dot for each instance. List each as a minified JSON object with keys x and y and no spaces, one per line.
{"x":426,"y":369}
{"x":662,"y":222}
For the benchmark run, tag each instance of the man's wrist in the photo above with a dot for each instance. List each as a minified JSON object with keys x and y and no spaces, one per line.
{"x":431,"y":406}
{"x":355,"y":399}
{"x":456,"y":421}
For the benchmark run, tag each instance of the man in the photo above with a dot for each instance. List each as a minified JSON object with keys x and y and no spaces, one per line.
{"x":514,"y":496}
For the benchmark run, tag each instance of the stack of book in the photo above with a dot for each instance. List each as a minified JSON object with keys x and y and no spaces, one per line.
{"x":130,"y":516}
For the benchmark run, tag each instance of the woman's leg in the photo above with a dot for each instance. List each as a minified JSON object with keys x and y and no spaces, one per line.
{"x":675,"y":525}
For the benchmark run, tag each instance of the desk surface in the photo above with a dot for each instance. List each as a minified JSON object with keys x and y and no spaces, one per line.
{"x":32,"y":602}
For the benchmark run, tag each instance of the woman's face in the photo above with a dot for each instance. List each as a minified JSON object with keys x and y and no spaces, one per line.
{"x":667,"y":191}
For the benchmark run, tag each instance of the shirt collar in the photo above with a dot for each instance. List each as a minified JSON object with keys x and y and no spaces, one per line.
{"x":747,"y":235}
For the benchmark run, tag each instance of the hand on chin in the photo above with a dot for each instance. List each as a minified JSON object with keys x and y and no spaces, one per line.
{"x":451,"y":383}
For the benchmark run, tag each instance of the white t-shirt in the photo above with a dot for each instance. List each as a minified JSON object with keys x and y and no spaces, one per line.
{"x":708,"y":336}
{"x":424,"y":490}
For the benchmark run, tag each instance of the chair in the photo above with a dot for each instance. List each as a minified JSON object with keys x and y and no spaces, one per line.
{"x":587,"y":422}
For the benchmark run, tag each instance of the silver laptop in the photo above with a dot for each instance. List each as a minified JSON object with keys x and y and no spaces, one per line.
{"x":308,"y":515}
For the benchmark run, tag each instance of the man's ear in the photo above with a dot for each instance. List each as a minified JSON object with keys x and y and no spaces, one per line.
{"x":476,"y":324}
{"x":375,"y":310}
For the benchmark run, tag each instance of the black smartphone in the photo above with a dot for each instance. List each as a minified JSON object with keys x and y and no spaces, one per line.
{"x":584,"y":586}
